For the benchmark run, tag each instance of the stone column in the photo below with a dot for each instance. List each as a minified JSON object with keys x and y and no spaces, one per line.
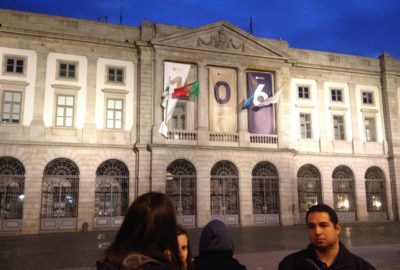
{"x":89,"y":128}
{"x":282,"y":83}
{"x":36,"y":128}
{"x":358,"y":146}
{"x":158,"y":90}
{"x":202,"y":106}
{"x":324,"y":144}
{"x":145,"y":94}
{"x":244,"y":136}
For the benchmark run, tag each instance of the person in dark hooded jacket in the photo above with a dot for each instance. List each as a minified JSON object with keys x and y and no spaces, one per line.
{"x":216,"y":249}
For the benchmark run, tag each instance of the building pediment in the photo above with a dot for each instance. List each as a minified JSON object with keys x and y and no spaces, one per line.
{"x":221,"y":37}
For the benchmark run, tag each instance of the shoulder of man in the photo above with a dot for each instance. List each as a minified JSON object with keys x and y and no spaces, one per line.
{"x":357,"y":262}
{"x":297,"y":260}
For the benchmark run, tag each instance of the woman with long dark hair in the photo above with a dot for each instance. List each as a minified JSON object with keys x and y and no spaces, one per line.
{"x":147,"y":237}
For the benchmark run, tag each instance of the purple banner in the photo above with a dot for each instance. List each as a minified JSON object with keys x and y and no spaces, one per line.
{"x":261,"y":119}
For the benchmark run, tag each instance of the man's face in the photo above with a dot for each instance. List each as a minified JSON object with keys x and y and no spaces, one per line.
{"x":321,"y":231}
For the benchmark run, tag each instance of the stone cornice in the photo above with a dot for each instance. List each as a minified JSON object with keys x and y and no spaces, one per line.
{"x":14,"y":82}
{"x":63,"y":36}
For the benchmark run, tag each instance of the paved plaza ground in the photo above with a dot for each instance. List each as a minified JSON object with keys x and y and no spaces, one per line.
{"x":259,"y":248}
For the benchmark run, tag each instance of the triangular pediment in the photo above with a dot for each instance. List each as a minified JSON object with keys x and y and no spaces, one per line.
{"x":220,"y":36}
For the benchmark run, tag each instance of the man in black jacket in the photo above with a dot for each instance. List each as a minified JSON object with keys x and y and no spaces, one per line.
{"x":325,"y":250}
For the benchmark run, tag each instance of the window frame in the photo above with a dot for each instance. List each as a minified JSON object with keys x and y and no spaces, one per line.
{"x":372,"y":137}
{"x":11,"y":111}
{"x":67,"y":77}
{"x":107,"y":109}
{"x":336,"y":126}
{"x":65,"y":106}
{"x":334,"y":94}
{"x":15,"y":58}
{"x":116,"y":68}
{"x":302,"y":94}
{"x":305,"y":126}
{"x":178,"y":115}
{"x":370,"y":99}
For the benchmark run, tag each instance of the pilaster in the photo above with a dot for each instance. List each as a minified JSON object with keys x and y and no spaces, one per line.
{"x":202,"y":106}
{"x":358,"y":146}
{"x":244,"y":136}
{"x":89,"y":128}
{"x":36,"y":128}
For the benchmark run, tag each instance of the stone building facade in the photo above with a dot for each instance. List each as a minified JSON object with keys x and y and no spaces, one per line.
{"x":79,"y":137}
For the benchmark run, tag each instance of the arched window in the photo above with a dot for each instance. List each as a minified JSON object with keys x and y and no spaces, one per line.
{"x":111,"y":194}
{"x":181,"y":188}
{"x":308,"y":187}
{"x":225,"y":192}
{"x":375,"y":189}
{"x":12,"y":179}
{"x":343,"y":189}
{"x":265,"y":189}
{"x":60,"y":194}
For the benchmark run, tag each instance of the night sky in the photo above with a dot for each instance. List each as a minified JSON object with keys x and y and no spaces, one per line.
{"x":359,"y":27}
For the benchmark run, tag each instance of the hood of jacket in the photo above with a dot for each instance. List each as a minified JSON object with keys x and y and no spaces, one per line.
{"x":215,"y":237}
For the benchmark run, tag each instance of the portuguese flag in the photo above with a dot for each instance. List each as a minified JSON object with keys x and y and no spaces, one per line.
{"x":189,"y":90}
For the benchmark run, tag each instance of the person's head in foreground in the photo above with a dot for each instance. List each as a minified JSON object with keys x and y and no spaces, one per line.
{"x":185,"y":252}
{"x":216,"y":249}
{"x":323,"y":227}
{"x":149,"y":229}
{"x":215,"y":236}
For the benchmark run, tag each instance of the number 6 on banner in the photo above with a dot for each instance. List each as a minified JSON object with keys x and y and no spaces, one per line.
{"x":259,"y":93}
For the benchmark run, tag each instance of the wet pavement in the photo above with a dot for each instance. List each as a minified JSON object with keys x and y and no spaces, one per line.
{"x":259,"y":248}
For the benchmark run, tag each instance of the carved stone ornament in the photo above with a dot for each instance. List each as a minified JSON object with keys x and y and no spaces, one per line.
{"x":221,"y":40}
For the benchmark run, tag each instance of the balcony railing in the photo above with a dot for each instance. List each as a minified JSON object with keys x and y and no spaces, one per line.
{"x":224,"y":137}
{"x":264,"y":139}
{"x":182,"y":135}
{"x":217,"y":137}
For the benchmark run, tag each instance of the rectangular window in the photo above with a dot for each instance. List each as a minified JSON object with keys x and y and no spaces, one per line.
{"x":368,"y":98}
{"x":338,"y":127}
{"x":14,"y":65}
{"x":65,"y":111}
{"x":67,"y":70}
{"x":304,"y":92}
{"x":305,"y":126}
{"x":11,"y":112}
{"x":115,"y":75}
{"x":114,"y":113}
{"x":336,"y":95}
{"x":179,"y":116}
{"x":370,"y":130}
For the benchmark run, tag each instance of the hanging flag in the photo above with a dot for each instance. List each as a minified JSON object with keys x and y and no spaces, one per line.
{"x":164,"y":97}
{"x":190,"y":90}
{"x":175,"y":75}
{"x":248,"y":102}
{"x":271,"y":100}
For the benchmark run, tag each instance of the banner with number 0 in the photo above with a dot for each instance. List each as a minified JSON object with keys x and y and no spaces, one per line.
{"x":222,"y":100}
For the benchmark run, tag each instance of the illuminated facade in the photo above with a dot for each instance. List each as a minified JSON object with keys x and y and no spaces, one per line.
{"x":81,"y":114}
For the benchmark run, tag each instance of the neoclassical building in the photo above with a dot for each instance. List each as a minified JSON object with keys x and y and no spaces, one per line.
{"x":89,"y":122}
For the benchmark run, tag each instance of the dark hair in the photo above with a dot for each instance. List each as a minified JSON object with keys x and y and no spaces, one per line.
{"x":189,"y":259}
{"x":149,"y":228}
{"x":323,"y":208}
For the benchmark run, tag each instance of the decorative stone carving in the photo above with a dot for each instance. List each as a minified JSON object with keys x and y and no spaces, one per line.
{"x":221,"y":40}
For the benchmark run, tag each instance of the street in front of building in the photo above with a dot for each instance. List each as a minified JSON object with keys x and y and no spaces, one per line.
{"x":259,"y":248}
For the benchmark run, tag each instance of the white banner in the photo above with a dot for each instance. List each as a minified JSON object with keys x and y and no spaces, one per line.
{"x":175,"y":75}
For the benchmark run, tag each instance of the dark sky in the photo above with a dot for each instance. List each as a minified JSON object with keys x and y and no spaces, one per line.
{"x":359,"y":27}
